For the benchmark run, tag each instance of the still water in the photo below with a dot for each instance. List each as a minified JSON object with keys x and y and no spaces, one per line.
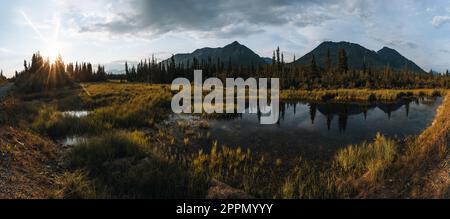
{"x":317,"y":130}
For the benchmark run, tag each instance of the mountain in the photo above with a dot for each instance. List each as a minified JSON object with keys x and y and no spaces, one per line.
{"x":267,"y":60}
{"x":118,"y":66}
{"x":238,"y":53}
{"x":357,"y":55}
{"x":394,"y":59}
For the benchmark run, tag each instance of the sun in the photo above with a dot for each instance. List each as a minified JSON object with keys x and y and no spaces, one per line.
{"x":54,"y":50}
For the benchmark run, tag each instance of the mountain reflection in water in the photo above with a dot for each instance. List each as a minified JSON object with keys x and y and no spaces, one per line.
{"x":318,"y":129}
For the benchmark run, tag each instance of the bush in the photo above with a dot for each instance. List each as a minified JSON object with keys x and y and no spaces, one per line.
{"x":436,"y":93}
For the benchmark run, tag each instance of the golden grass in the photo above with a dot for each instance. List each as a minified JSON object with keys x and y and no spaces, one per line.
{"x":126,"y":165}
{"x":342,"y":95}
{"x":354,"y":172}
{"x":74,"y":185}
{"x":120,"y":163}
{"x":424,"y":164}
{"x":371,"y":158}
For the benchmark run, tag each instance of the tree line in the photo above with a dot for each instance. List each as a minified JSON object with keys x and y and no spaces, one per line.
{"x":2,"y":77}
{"x":309,"y":76}
{"x":42,"y":74}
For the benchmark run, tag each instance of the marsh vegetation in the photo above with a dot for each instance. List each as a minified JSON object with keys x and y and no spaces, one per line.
{"x":132,"y":147}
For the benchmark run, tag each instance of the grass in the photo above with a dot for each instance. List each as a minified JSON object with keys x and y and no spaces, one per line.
{"x":137,"y":110}
{"x":352,"y":172}
{"x":352,"y":166}
{"x":236,"y":167}
{"x":126,"y":166}
{"x":370,"y":158}
{"x":14,"y":111}
{"x":307,"y":182}
{"x":141,"y":111}
{"x":423,"y":166}
{"x":56,"y":125}
{"x":343,"y":95}
{"x":74,"y":185}
{"x":118,"y":162}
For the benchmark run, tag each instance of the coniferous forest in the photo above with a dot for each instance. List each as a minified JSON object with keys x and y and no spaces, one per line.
{"x":36,"y":74}
{"x":42,"y":74}
{"x":90,"y":107}
{"x":291,"y":76}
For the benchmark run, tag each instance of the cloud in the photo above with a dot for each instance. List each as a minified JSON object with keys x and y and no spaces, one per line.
{"x":438,"y":21}
{"x":396,"y":42}
{"x":4,"y":50}
{"x":223,"y":19}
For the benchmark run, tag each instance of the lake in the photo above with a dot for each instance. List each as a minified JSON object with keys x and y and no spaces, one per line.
{"x":317,"y":130}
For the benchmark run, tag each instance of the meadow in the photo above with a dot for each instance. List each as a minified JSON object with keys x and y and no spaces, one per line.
{"x":129,"y":150}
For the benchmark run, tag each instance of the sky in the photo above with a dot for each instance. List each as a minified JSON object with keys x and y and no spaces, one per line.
{"x":111,"y":31}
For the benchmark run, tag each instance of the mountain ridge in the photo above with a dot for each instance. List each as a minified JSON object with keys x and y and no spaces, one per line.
{"x":235,"y":52}
{"x":358,"y":56}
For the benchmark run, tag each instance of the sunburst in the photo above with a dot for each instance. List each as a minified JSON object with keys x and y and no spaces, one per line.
{"x":53,"y":50}
{"x":53,"y":47}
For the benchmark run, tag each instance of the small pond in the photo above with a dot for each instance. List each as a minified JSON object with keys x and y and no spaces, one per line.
{"x":316,"y":130}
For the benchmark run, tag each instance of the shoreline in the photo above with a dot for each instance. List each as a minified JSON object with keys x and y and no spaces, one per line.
{"x":359,"y":95}
{"x":423,"y":169}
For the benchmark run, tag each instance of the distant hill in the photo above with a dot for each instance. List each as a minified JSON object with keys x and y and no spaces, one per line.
{"x":357,"y":54}
{"x":239,"y":54}
{"x":118,"y":67}
{"x":267,"y":60}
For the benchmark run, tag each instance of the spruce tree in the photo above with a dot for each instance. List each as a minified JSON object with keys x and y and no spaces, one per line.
{"x":342,"y":57}
{"x":328,"y":62}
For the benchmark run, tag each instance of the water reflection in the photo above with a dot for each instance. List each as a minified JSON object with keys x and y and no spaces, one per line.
{"x":319,"y":128}
{"x":342,"y":111}
{"x":71,"y":140}
{"x":77,"y":114}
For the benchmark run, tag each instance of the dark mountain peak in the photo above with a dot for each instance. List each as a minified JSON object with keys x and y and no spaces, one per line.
{"x":389,"y":53}
{"x":387,"y":50}
{"x":342,"y":43}
{"x":348,"y":46}
{"x":235,"y":52}
{"x":202,"y":49}
{"x":393,"y":58}
{"x":235,"y":43}
{"x":235,"y":46}
{"x":359,"y":56}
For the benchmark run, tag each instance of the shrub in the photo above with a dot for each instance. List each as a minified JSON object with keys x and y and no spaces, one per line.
{"x":436,"y":93}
